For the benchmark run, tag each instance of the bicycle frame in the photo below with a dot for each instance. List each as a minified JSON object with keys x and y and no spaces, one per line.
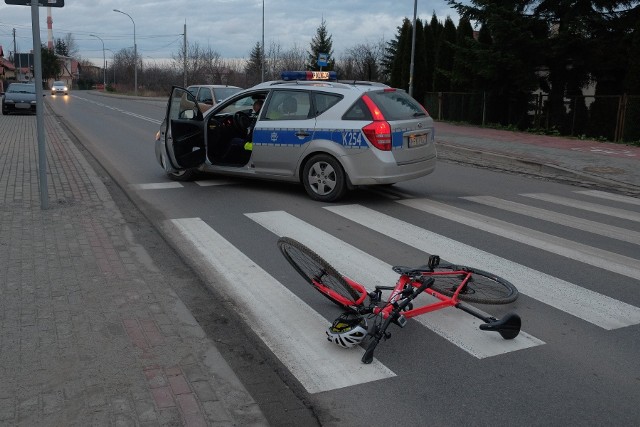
{"x":396,"y":294}
{"x":444,"y":300}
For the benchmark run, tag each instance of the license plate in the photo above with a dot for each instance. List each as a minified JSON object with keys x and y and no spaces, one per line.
{"x":417,"y":140}
{"x":23,"y":105}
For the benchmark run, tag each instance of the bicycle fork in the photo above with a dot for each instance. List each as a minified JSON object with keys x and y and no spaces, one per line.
{"x":394,"y":316}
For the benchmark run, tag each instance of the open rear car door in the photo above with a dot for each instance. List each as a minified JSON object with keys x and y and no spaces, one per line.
{"x":185,"y":131}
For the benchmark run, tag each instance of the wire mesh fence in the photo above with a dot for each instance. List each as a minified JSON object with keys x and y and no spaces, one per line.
{"x":608,"y":118}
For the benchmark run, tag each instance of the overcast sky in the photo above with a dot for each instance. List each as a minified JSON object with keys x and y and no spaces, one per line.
{"x":229,"y":27}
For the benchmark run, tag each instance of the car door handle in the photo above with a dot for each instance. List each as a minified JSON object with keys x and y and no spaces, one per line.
{"x":302,"y":134}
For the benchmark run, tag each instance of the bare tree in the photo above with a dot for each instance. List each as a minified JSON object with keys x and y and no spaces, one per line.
{"x":122,"y":66}
{"x":292,"y":59}
{"x":204,"y":65}
{"x":362,"y":62}
{"x":72,"y":46}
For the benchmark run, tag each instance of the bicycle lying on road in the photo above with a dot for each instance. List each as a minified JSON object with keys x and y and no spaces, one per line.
{"x":449,"y":284}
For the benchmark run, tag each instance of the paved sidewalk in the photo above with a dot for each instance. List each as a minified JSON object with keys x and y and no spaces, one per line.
{"x":602,"y":164}
{"x":91,"y":333}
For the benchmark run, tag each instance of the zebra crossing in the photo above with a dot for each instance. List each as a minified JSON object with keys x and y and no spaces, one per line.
{"x":321,"y":366}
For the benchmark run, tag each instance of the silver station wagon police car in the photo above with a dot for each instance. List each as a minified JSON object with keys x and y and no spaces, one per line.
{"x":330,"y":136}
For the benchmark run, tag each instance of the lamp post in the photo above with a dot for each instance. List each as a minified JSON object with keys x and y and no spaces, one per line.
{"x":135,"y":53}
{"x":104,"y":64}
{"x":262,"y":59}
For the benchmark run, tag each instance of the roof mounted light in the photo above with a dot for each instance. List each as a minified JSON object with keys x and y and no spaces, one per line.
{"x":309,"y":75}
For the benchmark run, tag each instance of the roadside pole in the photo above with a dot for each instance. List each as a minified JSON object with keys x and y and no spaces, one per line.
{"x":37,"y":70}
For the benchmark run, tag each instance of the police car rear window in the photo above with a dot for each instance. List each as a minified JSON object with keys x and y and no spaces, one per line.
{"x":358,"y":111}
{"x":396,"y":105}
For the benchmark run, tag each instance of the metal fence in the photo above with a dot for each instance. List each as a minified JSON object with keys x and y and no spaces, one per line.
{"x":608,"y":118}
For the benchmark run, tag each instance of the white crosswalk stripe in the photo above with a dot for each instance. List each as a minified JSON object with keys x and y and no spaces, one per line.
{"x":157,"y":186}
{"x":457,"y":327}
{"x":593,"y":256}
{"x":610,"y":196}
{"x":611,"y":231}
{"x":212,"y":182}
{"x":592,"y":207}
{"x":593,"y":307}
{"x":318,"y":364}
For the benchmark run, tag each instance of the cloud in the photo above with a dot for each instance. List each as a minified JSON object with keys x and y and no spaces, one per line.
{"x":229,"y":27}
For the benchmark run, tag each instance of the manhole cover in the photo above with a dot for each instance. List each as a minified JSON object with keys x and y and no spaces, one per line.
{"x":604,"y":170}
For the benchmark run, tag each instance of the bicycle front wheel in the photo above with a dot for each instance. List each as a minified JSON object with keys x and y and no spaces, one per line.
{"x":313,"y":268}
{"x":482,"y":287}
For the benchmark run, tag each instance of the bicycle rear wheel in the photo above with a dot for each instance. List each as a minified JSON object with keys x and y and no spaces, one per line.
{"x":313,"y":268}
{"x":482,"y":287}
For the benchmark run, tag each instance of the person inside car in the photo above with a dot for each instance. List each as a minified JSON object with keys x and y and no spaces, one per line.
{"x":257,"y":106}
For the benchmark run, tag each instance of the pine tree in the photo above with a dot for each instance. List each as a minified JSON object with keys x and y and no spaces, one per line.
{"x":444,"y":60}
{"x":399,"y":76}
{"x":321,"y":43}
{"x":61,"y":48}
{"x":253,"y":68}
{"x":50,"y":65}
{"x":420,"y":79}
{"x":430,"y":56}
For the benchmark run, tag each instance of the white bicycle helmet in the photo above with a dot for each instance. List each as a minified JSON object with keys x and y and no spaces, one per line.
{"x":348,"y":330}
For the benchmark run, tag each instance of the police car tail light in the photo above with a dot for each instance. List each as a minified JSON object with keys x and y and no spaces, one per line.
{"x":377,"y":132}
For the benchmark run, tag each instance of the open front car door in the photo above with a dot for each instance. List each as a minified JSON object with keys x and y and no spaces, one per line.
{"x":185,"y":131}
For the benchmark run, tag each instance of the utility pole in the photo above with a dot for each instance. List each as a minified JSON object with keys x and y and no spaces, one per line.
{"x":184,"y":49}
{"x":15,"y":63}
{"x":413,"y":48}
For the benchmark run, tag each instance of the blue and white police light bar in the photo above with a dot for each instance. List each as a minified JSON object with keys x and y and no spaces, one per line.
{"x":309,"y":75}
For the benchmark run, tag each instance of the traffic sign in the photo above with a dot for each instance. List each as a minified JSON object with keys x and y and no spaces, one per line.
{"x":323,"y":59}
{"x":43,"y":3}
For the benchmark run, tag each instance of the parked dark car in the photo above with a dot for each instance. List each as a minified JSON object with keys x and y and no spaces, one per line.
{"x":19,"y":97}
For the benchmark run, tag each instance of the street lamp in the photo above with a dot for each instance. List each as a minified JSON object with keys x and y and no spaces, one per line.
{"x":262,"y":59}
{"x":104,"y":64}
{"x":135,"y":54}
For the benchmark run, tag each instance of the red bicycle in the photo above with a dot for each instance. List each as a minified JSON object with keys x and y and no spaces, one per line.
{"x":367,"y":315}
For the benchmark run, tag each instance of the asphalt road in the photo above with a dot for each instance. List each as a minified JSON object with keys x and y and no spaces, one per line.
{"x":572,"y":254}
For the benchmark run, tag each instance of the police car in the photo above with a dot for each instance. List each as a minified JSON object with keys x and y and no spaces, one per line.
{"x":331,"y":136}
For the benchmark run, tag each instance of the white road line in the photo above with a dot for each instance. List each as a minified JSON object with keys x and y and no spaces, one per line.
{"x":590,"y":306}
{"x":156,"y":186}
{"x":611,"y":196}
{"x":592,"y":207}
{"x":290,"y":328}
{"x":129,"y":113}
{"x":457,"y":327}
{"x":593,"y":256}
{"x":611,"y":231}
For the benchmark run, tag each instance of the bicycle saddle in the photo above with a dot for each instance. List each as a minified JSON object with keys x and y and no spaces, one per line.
{"x":508,"y":326}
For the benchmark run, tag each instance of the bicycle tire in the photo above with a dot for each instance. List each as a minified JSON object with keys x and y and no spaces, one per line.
{"x":482,"y":287}
{"x":312,"y":267}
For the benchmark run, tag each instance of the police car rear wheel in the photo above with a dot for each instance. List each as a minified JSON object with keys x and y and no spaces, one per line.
{"x":324,"y":179}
